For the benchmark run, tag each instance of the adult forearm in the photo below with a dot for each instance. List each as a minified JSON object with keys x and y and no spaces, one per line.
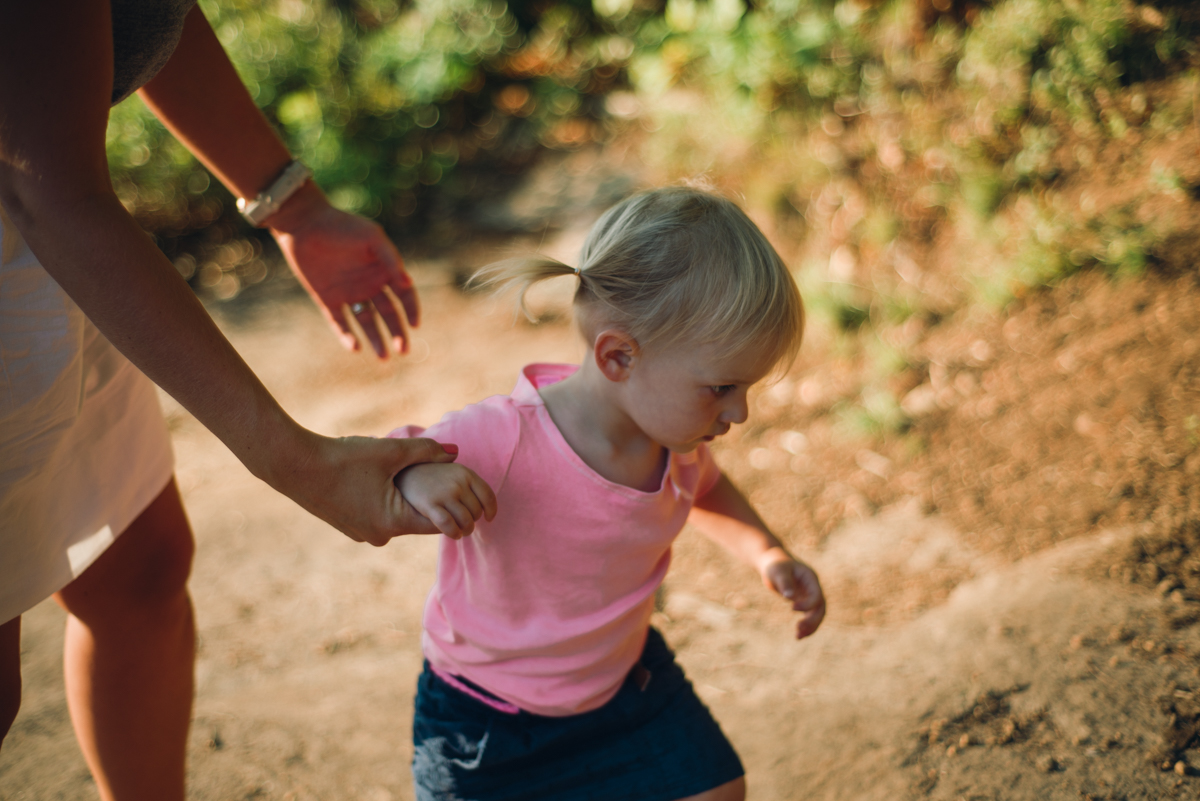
{"x":124,"y":284}
{"x":200,"y":98}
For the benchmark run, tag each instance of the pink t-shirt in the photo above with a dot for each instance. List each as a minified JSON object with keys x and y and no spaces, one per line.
{"x":547,"y":606}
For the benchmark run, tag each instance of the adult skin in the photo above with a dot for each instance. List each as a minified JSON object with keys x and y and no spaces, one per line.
{"x":130,"y":635}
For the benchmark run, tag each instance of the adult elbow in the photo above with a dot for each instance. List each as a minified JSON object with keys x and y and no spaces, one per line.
{"x":31,"y":200}
{"x":11,"y":198}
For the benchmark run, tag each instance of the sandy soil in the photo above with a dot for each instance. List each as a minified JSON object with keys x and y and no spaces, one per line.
{"x":954,"y":665}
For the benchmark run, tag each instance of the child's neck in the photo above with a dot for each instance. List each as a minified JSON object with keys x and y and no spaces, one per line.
{"x":587,"y":415}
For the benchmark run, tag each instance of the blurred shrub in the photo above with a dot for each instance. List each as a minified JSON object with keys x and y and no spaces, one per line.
{"x":1041,"y":68}
{"x":402,"y":110}
{"x":407,"y":111}
{"x":873,"y":134}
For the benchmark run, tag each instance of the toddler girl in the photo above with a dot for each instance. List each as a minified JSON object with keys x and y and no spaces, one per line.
{"x":543,"y":678}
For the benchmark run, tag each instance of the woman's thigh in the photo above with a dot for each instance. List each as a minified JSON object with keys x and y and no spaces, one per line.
{"x":144,"y":572}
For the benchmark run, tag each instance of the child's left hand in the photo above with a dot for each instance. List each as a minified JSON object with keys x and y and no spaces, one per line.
{"x":796,"y":582}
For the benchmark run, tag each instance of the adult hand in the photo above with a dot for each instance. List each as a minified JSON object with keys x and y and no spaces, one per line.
{"x":348,"y":483}
{"x":350,"y":267}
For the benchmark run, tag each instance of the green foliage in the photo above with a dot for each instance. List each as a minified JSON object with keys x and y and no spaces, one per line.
{"x":1120,"y":243}
{"x":841,"y":305}
{"x":403,"y":107}
{"x":1034,"y":63}
{"x":982,"y":188}
{"x":782,"y":54}
{"x":1025,"y":53}
{"x":884,"y":359}
{"x":154,"y":175}
{"x":875,"y":415}
{"x":408,"y":110}
{"x":400,"y":109}
{"x":1053,"y":247}
{"x":1167,"y":180}
{"x":865,"y":125}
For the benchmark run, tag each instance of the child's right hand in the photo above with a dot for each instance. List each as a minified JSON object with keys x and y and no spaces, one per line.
{"x":451,"y":496}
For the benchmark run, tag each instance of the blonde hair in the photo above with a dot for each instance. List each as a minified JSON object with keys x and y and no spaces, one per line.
{"x":677,"y":266}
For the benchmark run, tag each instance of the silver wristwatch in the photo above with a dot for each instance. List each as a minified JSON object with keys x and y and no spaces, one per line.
{"x":270,"y":199}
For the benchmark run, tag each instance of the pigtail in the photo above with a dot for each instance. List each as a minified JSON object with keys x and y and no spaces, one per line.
{"x":518,"y":275}
{"x":671,"y":266}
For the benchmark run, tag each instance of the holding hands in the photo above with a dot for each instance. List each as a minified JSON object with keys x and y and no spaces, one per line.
{"x":796,"y":582}
{"x":450,"y":496}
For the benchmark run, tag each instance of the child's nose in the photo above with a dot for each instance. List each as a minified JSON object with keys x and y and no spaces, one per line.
{"x":738,"y":410}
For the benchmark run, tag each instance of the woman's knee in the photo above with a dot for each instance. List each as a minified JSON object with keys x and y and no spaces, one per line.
{"x":145,"y":570}
{"x":10,"y":674}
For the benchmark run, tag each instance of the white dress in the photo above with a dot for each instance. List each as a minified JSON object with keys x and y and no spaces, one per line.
{"x":84,"y":447}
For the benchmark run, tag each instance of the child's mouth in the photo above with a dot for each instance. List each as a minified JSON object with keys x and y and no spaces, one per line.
{"x":711,"y":437}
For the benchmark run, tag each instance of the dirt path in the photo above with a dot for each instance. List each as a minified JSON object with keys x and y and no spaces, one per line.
{"x":1027,"y":682}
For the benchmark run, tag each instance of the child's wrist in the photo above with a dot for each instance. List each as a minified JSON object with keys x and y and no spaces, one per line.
{"x":773,"y":555}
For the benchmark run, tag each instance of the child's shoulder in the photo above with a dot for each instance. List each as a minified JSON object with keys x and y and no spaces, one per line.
{"x":497,"y":417}
{"x":488,"y":433}
{"x":538,"y":376}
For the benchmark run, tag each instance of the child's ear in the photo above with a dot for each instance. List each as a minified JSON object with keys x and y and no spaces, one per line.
{"x":614,"y":351}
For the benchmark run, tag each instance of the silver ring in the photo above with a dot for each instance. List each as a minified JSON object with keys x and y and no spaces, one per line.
{"x":357,"y":308}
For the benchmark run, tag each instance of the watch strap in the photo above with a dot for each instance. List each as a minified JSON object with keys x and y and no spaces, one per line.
{"x":270,"y":199}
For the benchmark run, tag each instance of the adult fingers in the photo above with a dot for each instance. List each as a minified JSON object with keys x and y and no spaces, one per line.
{"x":341,"y":328}
{"x":401,"y":283}
{"x":364,"y":315}
{"x":387,"y":310}
{"x":404,"y":517}
{"x":413,"y":523}
{"x":406,"y":293}
{"x":418,"y":450}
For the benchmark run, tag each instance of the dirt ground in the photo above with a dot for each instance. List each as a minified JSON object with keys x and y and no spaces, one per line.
{"x":1013,"y":584}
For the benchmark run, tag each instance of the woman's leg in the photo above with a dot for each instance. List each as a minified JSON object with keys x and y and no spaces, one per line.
{"x":130,"y":654}
{"x":10,"y":674}
{"x":730,"y":791}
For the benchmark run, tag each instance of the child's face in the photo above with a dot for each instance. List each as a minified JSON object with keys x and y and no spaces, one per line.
{"x":685,"y":395}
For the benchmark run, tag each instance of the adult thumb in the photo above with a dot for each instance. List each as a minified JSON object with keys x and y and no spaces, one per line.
{"x":419,"y":450}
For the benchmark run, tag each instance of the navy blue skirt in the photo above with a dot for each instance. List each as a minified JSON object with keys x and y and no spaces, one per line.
{"x":654,"y":741}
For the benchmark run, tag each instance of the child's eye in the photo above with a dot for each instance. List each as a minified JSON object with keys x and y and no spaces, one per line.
{"x":723,"y":389}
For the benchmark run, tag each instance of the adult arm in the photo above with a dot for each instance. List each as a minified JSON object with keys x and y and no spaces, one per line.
{"x":55,"y":86}
{"x":727,"y":518}
{"x":340,"y":258}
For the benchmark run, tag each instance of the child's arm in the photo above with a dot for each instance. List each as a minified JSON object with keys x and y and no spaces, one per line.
{"x":728,"y":519}
{"x":451,"y":499}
